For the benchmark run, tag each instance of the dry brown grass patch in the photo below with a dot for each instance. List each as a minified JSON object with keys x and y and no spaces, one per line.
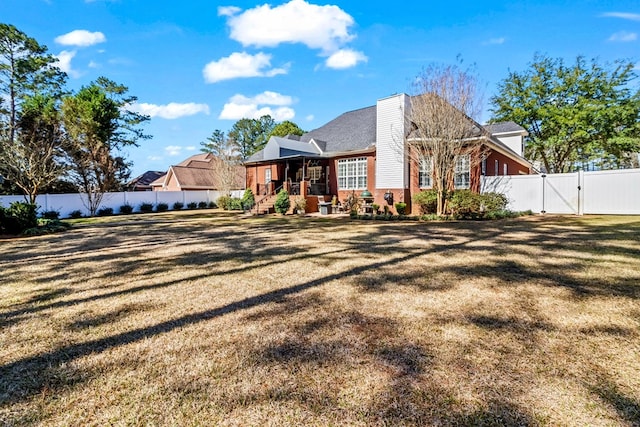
{"x":217,"y":320}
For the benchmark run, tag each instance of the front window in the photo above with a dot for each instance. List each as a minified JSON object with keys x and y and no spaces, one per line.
{"x":267,"y":176}
{"x":352,"y":174}
{"x":461,"y":178}
{"x":425,"y":172}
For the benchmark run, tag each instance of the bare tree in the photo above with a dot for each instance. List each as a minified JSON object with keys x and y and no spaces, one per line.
{"x":228,"y":173}
{"x":227,"y":169}
{"x":442,"y":125}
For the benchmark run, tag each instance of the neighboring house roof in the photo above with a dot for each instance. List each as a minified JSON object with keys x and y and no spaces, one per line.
{"x":145,"y":179}
{"x":202,"y":160}
{"x":198,"y":172}
{"x":158,"y":182}
{"x":189,"y":177}
{"x":504,"y":127}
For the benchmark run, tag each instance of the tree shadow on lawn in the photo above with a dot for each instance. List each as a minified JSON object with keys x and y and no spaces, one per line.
{"x":407,"y":361}
{"x":29,"y":307}
{"x":337,"y":347}
{"x":627,"y":407}
{"x":14,"y":386}
{"x":512,"y":273}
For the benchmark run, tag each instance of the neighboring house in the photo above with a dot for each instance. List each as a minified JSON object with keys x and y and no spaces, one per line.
{"x":143,"y":182}
{"x":365,"y":149}
{"x":201,"y":172}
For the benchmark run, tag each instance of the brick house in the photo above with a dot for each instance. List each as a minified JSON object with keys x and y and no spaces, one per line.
{"x":360,"y":150}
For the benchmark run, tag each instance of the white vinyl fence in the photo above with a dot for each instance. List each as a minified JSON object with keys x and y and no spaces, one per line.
{"x":600,"y":192}
{"x":67,"y":203}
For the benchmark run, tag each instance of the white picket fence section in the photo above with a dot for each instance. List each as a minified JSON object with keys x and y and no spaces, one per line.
{"x":67,"y":203}
{"x":600,"y":192}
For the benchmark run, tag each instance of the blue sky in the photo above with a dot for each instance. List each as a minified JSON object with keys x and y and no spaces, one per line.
{"x":196,"y":66}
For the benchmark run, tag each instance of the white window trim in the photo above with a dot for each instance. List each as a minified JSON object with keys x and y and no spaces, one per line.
{"x":423,"y":171}
{"x":352,"y":173}
{"x":462,"y":167}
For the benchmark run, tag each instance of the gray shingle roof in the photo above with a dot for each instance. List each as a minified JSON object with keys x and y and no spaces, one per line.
{"x":356,"y":130}
{"x":351,"y":131}
{"x":256,"y":157}
{"x":504,"y":127}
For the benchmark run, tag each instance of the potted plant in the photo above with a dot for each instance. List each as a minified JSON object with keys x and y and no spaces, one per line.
{"x":301,"y":205}
{"x":334,"y":204}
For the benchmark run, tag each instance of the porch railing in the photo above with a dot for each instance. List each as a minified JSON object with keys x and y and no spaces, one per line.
{"x":270,"y":193}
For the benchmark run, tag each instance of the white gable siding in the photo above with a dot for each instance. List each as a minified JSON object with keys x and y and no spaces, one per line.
{"x":512,"y":141}
{"x":391,"y":158}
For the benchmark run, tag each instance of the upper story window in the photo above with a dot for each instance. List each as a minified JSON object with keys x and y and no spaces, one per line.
{"x":425,"y":172}
{"x":352,"y":174}
{"x":461,"y":177}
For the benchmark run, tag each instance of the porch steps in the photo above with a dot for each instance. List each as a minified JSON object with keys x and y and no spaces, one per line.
{"x":265,"y":207}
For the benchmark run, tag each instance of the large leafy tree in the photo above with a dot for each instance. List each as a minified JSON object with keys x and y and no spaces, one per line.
{"x":26,"y":69}
{"x":99,"y":127}
{"x":575,"y":114}
{"x":218,"y":144}
{"x":30,"y":88}
{"x":32,"y":160}
{"x":286,"y":128}
{"x":250,"y":135}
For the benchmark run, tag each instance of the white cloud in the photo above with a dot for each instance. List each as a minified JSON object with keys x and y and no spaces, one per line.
{"x":172,"y":110}
{"x":81,"y":38}
{"x":64,"y":62}
{"x":623,"y":15}
{"x":310,"y":117}
{"x":190,"y":148}
{"x":241,"y":64}
{"x":317,"y":27}
{"x":266,"y":97}
{"x":623,"y":36}
{"x":228,"y":10}
{"x":345,"y":58}
{"x":173,"y":150}
{"x":498,"y":40}
{"x":155,"y":158}
{"x":93,"y":64}
{"x":240,"y":107}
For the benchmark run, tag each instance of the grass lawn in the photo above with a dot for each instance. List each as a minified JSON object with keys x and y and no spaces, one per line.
{"x":210,"y":319}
